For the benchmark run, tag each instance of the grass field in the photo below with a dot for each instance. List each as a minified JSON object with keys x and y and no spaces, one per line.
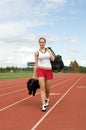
{"x":14,"y":75}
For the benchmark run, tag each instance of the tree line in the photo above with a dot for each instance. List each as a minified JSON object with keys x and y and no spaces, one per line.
{"x":15,"y":69}
{"x":73,"y":68}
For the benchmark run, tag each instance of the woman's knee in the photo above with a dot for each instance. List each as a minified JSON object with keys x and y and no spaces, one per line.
{"x":42,"y":88}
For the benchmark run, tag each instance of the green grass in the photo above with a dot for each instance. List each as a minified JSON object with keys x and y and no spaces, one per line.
{"x":14,"y":75}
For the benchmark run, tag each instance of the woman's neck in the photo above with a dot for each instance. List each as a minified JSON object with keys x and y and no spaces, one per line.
{"x":43,"y":49}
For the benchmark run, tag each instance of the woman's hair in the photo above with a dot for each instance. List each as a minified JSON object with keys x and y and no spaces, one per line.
{"x":42,"y":38}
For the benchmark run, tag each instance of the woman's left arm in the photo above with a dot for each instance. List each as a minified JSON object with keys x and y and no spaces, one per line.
{"x":52,"y":57}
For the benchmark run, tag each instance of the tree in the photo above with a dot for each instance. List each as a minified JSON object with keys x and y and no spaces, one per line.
{"x":74,"y":66}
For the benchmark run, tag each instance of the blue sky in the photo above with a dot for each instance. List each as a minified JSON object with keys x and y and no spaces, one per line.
{"x":23,"y":22}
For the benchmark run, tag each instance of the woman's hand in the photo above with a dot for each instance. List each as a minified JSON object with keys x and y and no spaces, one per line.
{"x":34,"y":76}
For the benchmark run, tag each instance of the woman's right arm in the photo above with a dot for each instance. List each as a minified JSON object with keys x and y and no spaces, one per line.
{"x":35,"y":65}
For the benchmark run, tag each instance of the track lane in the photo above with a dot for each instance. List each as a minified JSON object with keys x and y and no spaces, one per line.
{"x":25,"y":114}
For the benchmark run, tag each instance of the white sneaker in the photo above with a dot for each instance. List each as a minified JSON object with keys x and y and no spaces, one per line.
{"x":44,"y":107}
{"x":47,"y":102}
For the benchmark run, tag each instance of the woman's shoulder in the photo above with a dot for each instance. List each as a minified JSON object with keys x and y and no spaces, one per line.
{"x":37,"y":52}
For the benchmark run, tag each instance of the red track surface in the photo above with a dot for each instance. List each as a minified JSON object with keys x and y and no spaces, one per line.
{"x":67,"y":109}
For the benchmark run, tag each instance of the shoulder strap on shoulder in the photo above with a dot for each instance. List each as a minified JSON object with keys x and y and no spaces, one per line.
{"x":52,"y":51}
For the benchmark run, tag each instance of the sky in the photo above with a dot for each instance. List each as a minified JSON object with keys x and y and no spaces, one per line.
{"x":23,"y":22}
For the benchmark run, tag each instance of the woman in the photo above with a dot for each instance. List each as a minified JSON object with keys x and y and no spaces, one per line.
{"x":43,"y":70}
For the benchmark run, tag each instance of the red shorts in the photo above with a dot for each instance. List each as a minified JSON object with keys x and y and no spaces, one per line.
{"x":48,"y":74}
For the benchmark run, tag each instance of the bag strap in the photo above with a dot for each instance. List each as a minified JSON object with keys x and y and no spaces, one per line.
{"x":52,"y":51}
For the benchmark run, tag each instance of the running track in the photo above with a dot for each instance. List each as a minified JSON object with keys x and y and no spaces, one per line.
{"x":67,"y":109}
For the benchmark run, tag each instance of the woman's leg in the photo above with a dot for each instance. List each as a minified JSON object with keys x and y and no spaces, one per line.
{"x":47,"y":88}
{"x":42,"y":89}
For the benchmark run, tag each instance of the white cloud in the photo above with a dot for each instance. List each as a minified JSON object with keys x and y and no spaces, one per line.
{"x":72,"y":39}
{"x":19,"y":31}
{"x":74,"y":50}
{"x":26,"y":50}
{"x":11,"y":29}
{"x":54,"y":4}
{"x":54,"y":1}
{"x":19,"y":57}
{"x":15,"y":32}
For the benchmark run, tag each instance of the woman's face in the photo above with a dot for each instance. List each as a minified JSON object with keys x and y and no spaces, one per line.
{"x":42,"y":43}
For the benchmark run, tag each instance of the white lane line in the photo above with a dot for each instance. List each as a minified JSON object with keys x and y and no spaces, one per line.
{"x":38,"y":123}
{"x":13,"y":104}
{"x":5,"y":94}
{"x":55,"y":94}
{"x":80,"y":86}
{"x":9,"y":87}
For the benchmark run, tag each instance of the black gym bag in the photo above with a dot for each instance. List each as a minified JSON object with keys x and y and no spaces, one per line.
{"x":57,"y":64}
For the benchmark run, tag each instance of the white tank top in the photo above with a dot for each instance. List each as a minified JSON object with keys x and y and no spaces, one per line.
{"x":44,"y":59}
